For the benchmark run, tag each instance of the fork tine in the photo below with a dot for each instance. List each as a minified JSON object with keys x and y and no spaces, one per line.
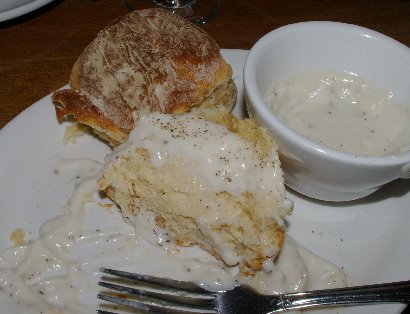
{"x":167,"y":299}
{"x":160,"y":283}
{"x":150,"y":308}
{"x":157,"y":294}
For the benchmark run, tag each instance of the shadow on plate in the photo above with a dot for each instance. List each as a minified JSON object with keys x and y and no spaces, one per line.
{"x":395,"y":189}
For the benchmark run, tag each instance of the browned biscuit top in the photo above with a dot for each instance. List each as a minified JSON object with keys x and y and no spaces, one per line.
{"x":148,"y":60}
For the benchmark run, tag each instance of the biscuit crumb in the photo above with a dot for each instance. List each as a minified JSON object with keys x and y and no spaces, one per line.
{"x":17,"y":236}
{"x":74,"y":131}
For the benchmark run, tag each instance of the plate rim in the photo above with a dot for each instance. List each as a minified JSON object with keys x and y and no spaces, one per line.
{"x":22,"y":9}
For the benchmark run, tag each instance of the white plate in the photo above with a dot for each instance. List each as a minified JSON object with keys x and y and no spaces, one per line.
{"x":369,"y":239}
{"x":10,"y":9}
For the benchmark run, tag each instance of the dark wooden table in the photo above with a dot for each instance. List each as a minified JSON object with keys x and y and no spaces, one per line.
{"x":38,"y":49}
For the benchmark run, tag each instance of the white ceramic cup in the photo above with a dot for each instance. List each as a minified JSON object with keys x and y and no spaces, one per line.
{"x":311,"y":168}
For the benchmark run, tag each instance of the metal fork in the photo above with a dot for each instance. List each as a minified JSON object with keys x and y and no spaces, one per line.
{"x":162,"y":295}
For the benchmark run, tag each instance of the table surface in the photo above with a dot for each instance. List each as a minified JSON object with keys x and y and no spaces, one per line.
{"x":38,"y":50}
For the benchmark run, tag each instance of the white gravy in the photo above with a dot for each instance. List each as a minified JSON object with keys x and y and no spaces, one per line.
{"x":342,"y":111}
{"x":58,"y":272}
{"x":216,"y":155}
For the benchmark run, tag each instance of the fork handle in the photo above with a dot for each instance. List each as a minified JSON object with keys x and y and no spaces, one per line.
{"x":395,"y":292}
